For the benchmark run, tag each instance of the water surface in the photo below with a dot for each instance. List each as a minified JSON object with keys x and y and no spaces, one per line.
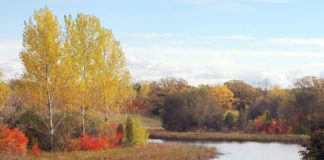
{"x":248,"y":150}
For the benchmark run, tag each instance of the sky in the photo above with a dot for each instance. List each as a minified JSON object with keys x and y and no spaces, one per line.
{"x":201,"y":41}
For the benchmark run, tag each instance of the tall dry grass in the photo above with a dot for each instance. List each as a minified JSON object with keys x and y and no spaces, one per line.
{"x":144,"y":152}
{"x":232,"y":136}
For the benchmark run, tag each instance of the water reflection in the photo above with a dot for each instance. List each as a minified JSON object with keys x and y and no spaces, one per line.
{"x":248,"y":150}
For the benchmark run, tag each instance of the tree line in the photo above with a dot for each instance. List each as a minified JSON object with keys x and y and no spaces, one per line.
{"x":234,"y":105}
{"x":238,"y":106}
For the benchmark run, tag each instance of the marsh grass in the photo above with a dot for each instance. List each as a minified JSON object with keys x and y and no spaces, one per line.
{"x":232,"y":136}
{"x":165,"y":151}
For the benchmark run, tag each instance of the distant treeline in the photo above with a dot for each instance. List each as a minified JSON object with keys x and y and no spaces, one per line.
{"x":234,"y":105}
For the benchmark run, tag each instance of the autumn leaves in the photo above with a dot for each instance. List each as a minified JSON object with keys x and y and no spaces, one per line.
{"x":81,"y":68}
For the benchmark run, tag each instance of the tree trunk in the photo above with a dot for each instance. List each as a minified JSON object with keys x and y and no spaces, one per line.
{"x":51,"y":127}
{"x":106,"y":112}
{"x":106,"y":117}
{"x":83,"y":120}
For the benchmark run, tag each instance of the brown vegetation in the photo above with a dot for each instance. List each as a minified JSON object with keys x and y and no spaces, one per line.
{"x":232,"y":136}
{"x":144,"y":152}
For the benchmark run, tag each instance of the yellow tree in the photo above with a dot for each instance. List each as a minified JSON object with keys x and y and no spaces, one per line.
{"x":115,"y":82}
{"x":24,"y":93}
{"x":85,"y":42}
{"x":4,"y":92}
{"x":68,"y":85}
{"x":125,"y":93}
{"x":41,"y":58}
{"x":281,"y":98}
{"x":142,"y":89}
{"x":223,"y":95}
{"x":276,"y":93}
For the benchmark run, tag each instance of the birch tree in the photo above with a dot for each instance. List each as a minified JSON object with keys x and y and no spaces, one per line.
{"x":41,"y":58}
{"x":115,"y":85}
{"x":87,"y":41}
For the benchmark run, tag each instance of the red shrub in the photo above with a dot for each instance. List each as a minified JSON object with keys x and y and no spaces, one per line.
{"x":131,"y":107}
{"x":12,"y":141}
{"x":118,"y":138}
{"x":92,"y":143}
{"x":138,"y":107}
{"x":259,"y":124}
{"x":35,"y":150}
{"x":296,"y":119}
{"x":269,"y":127}
{"x":281,"y":128}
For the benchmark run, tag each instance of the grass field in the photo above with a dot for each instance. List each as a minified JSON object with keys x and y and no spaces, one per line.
{"x":145,"y":152}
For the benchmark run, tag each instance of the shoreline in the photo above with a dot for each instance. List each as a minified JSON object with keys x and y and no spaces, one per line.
{"x":229,"y":137}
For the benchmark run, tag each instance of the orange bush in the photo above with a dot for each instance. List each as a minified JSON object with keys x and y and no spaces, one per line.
{"x":72,"y":145}
{"x":269,"y":127}
{"x":12,"y":141}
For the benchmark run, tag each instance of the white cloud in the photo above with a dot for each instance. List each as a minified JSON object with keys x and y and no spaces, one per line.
{"x":296,"y":41}
{"x":213,"y":66}
{"x":322,"y":74}
{"x":214,"y":53}
{"x":9,"y":58}
{"x":11,"y":68}
{"x":230,"y":37}
{"x":201,"y":64}
{"x":149,"y":35}
{"x":9,"y":44}
{"x":247,"y":41}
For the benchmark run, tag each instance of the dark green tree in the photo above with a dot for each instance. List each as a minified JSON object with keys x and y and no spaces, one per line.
{"x":192,"y":109}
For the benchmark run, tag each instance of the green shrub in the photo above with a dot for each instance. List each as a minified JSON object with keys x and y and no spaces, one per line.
{"x":315,"y":149}
{"x":67,"y":127}
{"x":192,"y":109}
{"x":34,"y":128}
{"x":135,"y":134}
{"x":231,"y":118}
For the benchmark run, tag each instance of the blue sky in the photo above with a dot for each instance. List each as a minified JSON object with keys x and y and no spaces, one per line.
{"x":202,"y":41}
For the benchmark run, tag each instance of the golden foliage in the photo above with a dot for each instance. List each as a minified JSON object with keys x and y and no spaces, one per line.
{"x":223,"y":95}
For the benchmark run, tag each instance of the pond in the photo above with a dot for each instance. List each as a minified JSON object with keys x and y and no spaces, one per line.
{"x":248,"y":150}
